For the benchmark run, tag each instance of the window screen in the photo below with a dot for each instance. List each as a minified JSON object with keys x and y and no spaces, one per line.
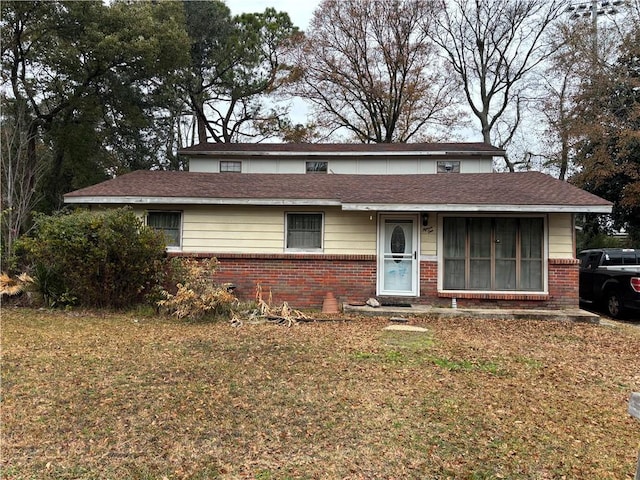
{"x":493,"y":254}
{"x":304,"y":231}
{"x":232,"y":167}
{"x":168,"y":223}
{"x":317,"y":167}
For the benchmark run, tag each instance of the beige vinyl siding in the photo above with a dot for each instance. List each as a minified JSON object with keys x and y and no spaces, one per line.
{"x":402,"y":166}
{"x":140,"y":212}
{"x":231,"y":229}
{"x":286,"y":166}
{"x":373,"y":167}
{"x":206,"y":165}
{"x":561,"y":235}
{"x":476,"y":166}
{"x":427,"y":166}
{"x":429,"y":237}
{"x":349,"y":232}
{"x":342,"y":165}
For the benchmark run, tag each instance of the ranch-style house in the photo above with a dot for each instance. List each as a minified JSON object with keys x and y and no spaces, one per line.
{"x":412,"y":223}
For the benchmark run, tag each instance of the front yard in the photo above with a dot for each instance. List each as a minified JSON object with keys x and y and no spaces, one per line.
{"x":91,"y":396}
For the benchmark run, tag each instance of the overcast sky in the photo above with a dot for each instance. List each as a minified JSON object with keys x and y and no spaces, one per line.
{"x":300,"y":11}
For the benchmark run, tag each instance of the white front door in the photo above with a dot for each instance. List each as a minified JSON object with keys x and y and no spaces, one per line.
{"x":398,"y":255}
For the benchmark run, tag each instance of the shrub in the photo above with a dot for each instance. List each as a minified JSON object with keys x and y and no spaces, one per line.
{"x":197,"y":296}
{"x":103,"y":259}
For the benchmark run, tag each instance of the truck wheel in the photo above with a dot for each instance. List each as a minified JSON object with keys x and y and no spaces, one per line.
{"x":614,"y":307}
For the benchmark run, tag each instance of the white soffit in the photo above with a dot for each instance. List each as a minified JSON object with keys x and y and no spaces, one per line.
{"x":368,"y":207}
{"x":106,"y":200}
{"x":477,"y":208}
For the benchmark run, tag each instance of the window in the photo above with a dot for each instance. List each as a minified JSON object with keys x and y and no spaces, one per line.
{"x":503,"y":254}
{"x":303,"y":231}
{"x":168,"y":223}
{"x":317,"y":167}
{"x":590,"y":261}
{"x":232,"y":167}
{"x":448,"y":166}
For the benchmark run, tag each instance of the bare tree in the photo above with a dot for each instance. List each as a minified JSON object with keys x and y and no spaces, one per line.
{"x":584,"y":48}
{"x":493,"y":46}
{"x":21,"y":168}
{"x":558,"y":84}
{"x":368,"y":67}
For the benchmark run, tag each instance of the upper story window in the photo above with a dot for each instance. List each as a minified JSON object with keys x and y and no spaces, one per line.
{"x":445,"y":166}
{"x":170,"y":224}
{"x":317,"y":167}
{"x":304,"y":231}
{"x":232,"y":167}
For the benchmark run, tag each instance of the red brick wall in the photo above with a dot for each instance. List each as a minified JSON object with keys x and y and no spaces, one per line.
{"x":431,"y":296}
{"x":563,"y":283}
{"x":300,"y":280}
{"x":429,"y":280}
{"x":304,"y":280}
{"x":563,"y":290}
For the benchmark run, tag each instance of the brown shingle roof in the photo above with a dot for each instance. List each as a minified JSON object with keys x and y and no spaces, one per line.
{"x":473,"y":189}
{"x":338,"y":148}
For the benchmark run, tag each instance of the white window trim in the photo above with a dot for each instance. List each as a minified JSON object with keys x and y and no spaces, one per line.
{"x":455,"y":165}
{"x":545,"y":257}
{"x":169,"y":248}
{"x":306,"y":168}
{"x":303,"y":250}
{"x":229,"y":162}
{"x":417,"y":238}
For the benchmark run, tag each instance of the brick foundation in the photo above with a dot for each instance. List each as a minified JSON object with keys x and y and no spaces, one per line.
{"x":563,"y":290}
{"x":300,"y":280}
{"x":563,"y":283}
{"x":303,"y":281}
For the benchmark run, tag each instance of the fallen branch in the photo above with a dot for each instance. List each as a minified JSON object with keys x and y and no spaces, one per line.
{"x":265,"y":312}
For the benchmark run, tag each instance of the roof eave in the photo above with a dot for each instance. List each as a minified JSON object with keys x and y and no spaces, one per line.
{"x":479,"y":208}
{"x":138,"y":200}
{"x":390,"y":207}
{"x":301,"y":153}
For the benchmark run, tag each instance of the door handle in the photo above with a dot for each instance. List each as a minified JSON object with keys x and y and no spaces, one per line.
{"x":415,"y":255}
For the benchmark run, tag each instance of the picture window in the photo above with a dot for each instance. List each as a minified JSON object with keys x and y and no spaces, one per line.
{"x":493,"y":254}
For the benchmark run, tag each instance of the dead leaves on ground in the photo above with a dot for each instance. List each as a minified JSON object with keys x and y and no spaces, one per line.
{"x":110,"y":396}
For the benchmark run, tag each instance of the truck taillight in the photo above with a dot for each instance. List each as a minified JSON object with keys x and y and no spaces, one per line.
{"x":635,"y":283}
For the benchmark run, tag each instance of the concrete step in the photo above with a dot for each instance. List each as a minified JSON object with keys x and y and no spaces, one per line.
{"x":568,"y":315}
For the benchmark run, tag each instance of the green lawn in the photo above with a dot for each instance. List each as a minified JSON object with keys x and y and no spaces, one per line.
{"x":90,"y":396}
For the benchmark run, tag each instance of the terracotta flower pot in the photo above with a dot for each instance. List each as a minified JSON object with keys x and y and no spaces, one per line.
{"x":330,"y":304}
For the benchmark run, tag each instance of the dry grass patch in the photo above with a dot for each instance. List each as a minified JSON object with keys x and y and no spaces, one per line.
{"x":90,"y":396}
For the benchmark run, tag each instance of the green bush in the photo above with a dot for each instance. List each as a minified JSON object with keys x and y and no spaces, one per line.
{"x":103,"y":259}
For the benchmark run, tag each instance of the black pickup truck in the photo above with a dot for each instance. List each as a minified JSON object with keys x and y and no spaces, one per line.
{"x":610,"y":277}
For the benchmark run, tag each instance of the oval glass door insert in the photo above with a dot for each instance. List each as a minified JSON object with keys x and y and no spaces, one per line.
{"x":398,"y":242}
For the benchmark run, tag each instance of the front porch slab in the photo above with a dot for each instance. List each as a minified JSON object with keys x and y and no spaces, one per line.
{"x":566,"y":315}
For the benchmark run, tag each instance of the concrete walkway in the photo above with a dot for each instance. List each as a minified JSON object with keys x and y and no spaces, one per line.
{"x":568,"y":315}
